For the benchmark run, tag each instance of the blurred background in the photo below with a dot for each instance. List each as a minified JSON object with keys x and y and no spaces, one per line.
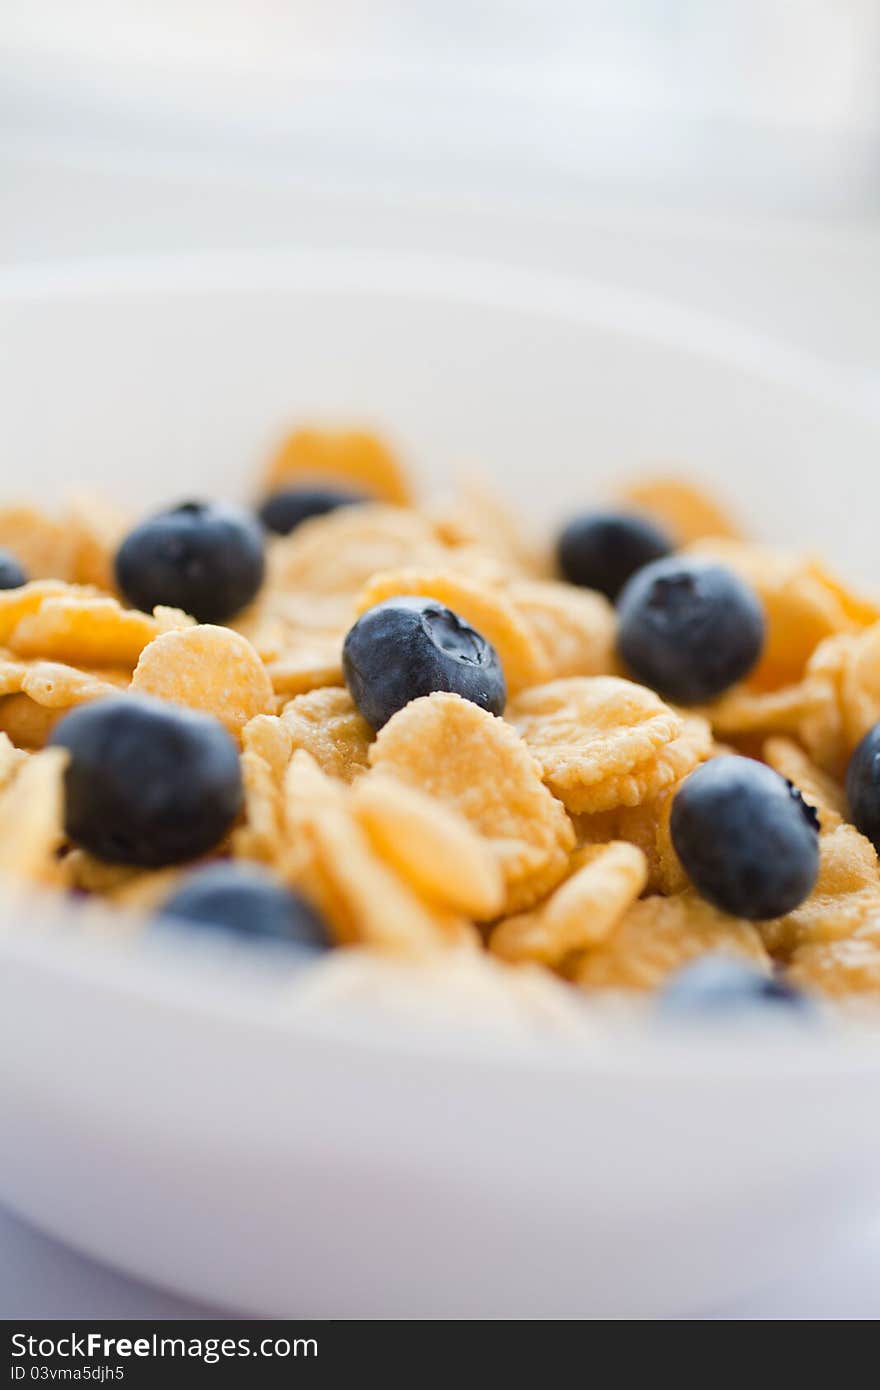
{"x":724,"y":154}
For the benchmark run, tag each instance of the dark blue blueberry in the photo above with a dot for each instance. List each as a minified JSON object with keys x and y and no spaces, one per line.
{"x":204,"y":557}
{"x":283,"y":511}
{"x":748,"y":841}
{"x":244,"y":901}
{"x":863,"y":786}
{"x":407,"y":647}
{"x":601,"y":550}
{"x":147,"y":783}
{"x":12,"y":576}
{"x":719,"y":987}
{"x":689,"y":628}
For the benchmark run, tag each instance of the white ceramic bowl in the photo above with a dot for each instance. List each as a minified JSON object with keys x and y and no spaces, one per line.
{"x":205,"y":1127}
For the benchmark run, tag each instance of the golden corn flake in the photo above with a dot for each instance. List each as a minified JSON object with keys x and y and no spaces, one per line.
{"x":478,"y":518}
{"x":310,"y":664}
{"x":647,"y":826}
{"x":846,"y":895}
{"x":819,"y":790}
{"x":846,"y":671}
{"x":11,"y":759}
{"x":743,"y":711}
{"x":657,"y":936}
{"x":34,"y":695}
{"x":269,"y":738}
{"x":849,"y":967}
{"x":55,"y":685}
{"x":261,"y":835}
{"x":25,"y":723}
{"x":476,"y":763}
{"x":16,"y":604}
{"x":338,"y":553}
{"x":147,"y":890}
{"x":860,"y":686}
{"x":354,"y":459}
{"x":687,"y":512}
{"x":576,"y":628}
{"x":139,"y":892}
{"x":362,"y":897}
{"x":488,"y":610}
{"x":581,"y":912}
{"x":43,"y":546}
{"x":206,"y":668}
{"x":83,"y":631}
{"x":32,"y":818}
{"x":604,"y":742}
{"x":431,"y":845}
{"x":95,"y":529}
{"x":326,"y":724}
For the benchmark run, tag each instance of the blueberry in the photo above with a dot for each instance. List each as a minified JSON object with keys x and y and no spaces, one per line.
{"x":407,"y":647}
{"x":12,"y":576}
{"x":600,"y":550}
{"x":242,"y":900}
{"x":204,"y":557}
{"x":747,"y":839}
{"x":147,"y":783}
{"x":283,"y":511}
{"x":720,"y":987}
{"x":863,"y":786}
{"x":689,"y":628}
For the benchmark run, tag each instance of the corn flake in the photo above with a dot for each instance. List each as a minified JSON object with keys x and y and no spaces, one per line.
{"x":362,"y":897}
{"x":206,"y":668}
{"x":846,"y":968}
{"x":479,"y":519}
{"x":657,"y":936}
{"x":31,"y":818}
{"x":647,"y":827}
{"x":576,"y":628}
{"x":603,"y":742}
{"x":687,"y":512}
{"x":846,"y":895}
{"x":581,"y":912}
{"x":355,"y":459}
{"x":326,"y":724}
{"x":819,"y":790}
{"x":42,"y":545}
{"x":476,"y":763}
{"x":81,"y":630}
{"x":431,"y":845}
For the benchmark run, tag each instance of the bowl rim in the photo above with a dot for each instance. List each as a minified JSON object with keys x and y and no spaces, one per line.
{"x":483,"y":283}
{"x":637,"y":1053}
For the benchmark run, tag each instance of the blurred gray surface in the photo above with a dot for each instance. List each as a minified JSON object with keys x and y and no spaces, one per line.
{"x":41,"y":1279}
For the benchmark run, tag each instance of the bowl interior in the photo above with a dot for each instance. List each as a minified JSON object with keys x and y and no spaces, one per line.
{"x":322,"y":1176}
{"x":159,"y":380}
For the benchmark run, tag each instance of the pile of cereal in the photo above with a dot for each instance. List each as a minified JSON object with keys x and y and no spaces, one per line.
{"x":650,"y":759}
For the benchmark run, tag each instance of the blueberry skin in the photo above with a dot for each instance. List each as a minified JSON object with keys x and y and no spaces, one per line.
{"x":12,"y":576}
{"x":407,"y":647}
{"x":283,"y":511}
{"x":204,"y":557}
{"x":243,"y":901}
{"x":147,"y":783}
{"x":719,"y":987}
{"x":863,"y":786}
{"x":689,"y":627}
{"x":601,"y":550}
{"x":748,"y":841}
